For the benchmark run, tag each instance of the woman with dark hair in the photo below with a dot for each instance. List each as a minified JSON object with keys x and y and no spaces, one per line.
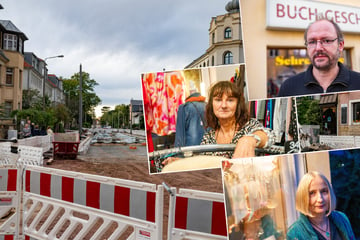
{"x":316,"y":202}
{"x":228,"y":118}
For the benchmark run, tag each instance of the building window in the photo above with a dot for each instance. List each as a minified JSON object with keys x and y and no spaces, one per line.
{"x":213,"y":38}
{"x":356,"y":112}
{"x":274,"y":52}
{"x":228,"y":57}
{"x":227,"y":33}
{"x":212,"y":61}
{"x":7,"y":108}
{"x":9,"y":76}
{"x":20,"y":79}
{"x":344,"y":113}
{"x":10,"y":42}
{"x":20,"y":45}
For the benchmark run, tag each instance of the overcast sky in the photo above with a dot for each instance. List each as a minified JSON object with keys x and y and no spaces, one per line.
{"x":114,"y":40}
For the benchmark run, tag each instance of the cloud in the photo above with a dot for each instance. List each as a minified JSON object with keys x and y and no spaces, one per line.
{"x":114,"y":40}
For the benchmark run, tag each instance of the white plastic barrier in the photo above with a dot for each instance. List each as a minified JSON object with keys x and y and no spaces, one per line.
{"x":6,"y":157}
{"x":43,"y":142}
{"x":84,"y":145}
{"x":196,"y":215}
{"x":62,"y":204}
{"x":58,"y":204}
{"x":9,"y":202}
{"x":337,"y":142}
{"x":30,"y":156}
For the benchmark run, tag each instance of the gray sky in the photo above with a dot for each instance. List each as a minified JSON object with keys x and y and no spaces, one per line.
{"x":114,"y":40}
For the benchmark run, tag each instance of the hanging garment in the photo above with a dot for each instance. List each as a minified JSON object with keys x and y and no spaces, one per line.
{"x":190,"y":123}
{"x":165,"y":93}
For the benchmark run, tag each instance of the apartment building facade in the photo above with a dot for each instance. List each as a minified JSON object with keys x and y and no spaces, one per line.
{"x":11,"y":69}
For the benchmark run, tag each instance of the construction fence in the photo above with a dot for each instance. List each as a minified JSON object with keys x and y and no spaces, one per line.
{"x":45,"y":203}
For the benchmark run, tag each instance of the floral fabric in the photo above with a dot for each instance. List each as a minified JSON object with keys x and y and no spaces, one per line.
{"x":163,"y":93}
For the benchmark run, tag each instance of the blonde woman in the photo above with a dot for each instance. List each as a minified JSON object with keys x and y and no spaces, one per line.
{"x":316,"y":202}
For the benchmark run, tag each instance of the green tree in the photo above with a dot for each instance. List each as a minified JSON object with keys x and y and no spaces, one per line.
{"x":89,"y":98}
{"x":39,"y":117}
{"x":309,"y":112}
{"x":117,"y":118}
{"x":31,"y":98}
{"x":123,"y":112}
{"x":62,"y":115}
{"x":105,"y":109}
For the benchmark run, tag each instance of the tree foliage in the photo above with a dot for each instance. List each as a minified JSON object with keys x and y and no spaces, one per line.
{"x":89,"y":98}
{"x":39,"y":117}
{"x":309,"y":112}
{"x":31,"y":98}
{"x":117,"y":118}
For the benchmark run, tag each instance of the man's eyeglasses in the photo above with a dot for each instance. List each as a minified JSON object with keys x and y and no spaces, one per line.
{"x":323,"y":42}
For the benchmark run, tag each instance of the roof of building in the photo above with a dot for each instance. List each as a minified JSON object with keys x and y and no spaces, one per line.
{"x":27,"y":65}
{"x":53,"y":79}
{"x":136,"y":102}
{"x":233,"y":6}
{"x":10,"y":27}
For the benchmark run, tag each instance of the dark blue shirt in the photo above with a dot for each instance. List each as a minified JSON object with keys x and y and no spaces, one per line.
{"x":304,"y":83}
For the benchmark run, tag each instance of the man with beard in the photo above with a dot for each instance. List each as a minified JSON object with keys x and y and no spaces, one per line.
{"x":324,"y":42}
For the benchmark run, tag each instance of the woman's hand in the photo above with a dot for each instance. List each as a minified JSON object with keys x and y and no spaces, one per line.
{"x":169,"y":160}
{"x":245,"y":147}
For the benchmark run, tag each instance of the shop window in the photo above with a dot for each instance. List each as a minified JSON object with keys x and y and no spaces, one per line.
{"x":273,"y":52}
{"x":251,"y":192}
{"x":9,"y":76}
{"x":356,"y":112}
{"x":228,"y":57}
{"x":344,"y":113}
{"x":227,"y":33}
{"x":10,"y":42}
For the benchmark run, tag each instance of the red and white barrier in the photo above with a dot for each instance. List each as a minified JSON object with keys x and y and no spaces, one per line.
{"x":126,"y":204}
{"x":58,"y":204}
{"x":196,"y":215}
{"x":7,"y":237}
{"x":9,"y":202}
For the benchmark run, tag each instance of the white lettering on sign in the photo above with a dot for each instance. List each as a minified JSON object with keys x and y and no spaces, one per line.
{"x":298,"y":14}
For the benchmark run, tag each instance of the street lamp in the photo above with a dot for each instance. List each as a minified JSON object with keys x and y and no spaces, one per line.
{"x":45,"y":76}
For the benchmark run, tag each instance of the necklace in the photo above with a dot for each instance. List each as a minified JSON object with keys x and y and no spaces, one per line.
{"x":326,"y":231}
